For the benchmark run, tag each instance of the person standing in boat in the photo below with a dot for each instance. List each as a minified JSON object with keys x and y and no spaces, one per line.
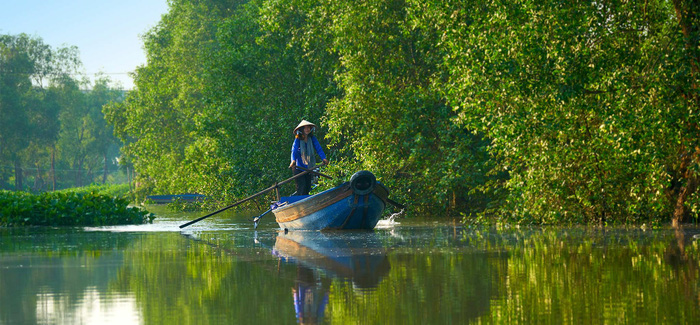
{"x":304,"y":150}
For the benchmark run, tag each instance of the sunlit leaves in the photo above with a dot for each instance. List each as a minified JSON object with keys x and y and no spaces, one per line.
{"x":569,"y":93}
{"x":585,"y":106}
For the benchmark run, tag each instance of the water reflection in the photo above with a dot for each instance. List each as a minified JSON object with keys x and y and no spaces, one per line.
{"x":310,"y":294}
{"x":427,"y":274}
{"x":91,"y":308}
{"x":357,"y":257}
{"x":62,"y":277}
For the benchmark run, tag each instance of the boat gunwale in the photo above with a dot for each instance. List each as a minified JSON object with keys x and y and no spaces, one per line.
{"x":304,"y":207}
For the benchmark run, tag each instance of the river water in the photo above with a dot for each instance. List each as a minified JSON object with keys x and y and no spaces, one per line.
{"x":221,"y":270}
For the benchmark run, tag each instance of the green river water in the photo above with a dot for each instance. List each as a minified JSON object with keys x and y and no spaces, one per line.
{"x":222,"y":271}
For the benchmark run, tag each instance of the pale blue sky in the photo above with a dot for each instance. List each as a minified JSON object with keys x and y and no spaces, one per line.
{"x":107,"y":32}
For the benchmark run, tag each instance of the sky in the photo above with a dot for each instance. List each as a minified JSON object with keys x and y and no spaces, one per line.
{"x":106,"y":32}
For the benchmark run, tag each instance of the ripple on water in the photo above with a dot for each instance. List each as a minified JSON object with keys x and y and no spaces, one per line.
{"x":168,"y":226}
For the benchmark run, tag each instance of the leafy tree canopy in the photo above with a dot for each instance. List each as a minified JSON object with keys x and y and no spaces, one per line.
{"x":530,"y":111}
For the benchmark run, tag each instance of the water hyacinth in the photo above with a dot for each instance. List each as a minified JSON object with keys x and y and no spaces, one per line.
{"x":68,"y":209}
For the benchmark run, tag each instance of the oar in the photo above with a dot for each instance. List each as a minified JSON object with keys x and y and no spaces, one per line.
{"x":255,"y":221}
{"x":315,"y":172}
{"x":246,"y":199}
{"x":396,"y":204}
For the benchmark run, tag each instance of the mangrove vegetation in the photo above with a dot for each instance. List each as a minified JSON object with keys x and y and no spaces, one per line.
{"x":528,"y":112}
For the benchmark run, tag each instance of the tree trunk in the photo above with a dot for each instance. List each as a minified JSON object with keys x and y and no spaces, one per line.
{"x":128,"y":178}
{"x":78,"y":174}
{"x":680,"y":210}
{"x":687,"y":14}
{"x":688,"y":187}
{"x":104,"y":174}
{"x":38,"y":181}
{"x":18,"y":176}
{"x":53,"y":168}
{"x":89,"y":178}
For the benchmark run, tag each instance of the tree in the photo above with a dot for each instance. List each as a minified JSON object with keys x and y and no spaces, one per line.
{"x":533,"y":111}
{"x":28,"y":112}
{"x":582,"y":101}
{"x":218,"y":99}
{"x":16,"y":68}
{"x":105,"y":141}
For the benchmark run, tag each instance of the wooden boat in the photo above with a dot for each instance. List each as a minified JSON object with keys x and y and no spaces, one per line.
{"x":357,"y":204}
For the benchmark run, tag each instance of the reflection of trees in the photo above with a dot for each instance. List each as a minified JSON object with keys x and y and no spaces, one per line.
{"x":60,"y":265}
{"x":63,"y":279}
{"x":435,"y":276}
{"x":181,"y":281}
{"x":686,"y":265}
{"x":439,"y":286}
{"x":594,"y":276}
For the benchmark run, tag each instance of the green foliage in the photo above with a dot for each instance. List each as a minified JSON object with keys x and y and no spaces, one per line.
{"x":52,"y":130}
{"x":392,"y":119}
{"x":533,"y":112}
{"x":68,"y":208}
{"x":115,"y":190}
{"x":214,"y":109}
{"x":584,"y":103}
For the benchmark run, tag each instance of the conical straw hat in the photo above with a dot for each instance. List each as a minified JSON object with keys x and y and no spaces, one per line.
{"x":303,"y":124}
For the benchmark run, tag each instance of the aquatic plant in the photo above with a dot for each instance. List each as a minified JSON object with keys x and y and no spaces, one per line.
{"x":68,"y":208}
{"x":118,"y":190}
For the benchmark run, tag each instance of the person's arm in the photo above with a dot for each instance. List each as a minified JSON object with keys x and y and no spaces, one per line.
{"x":319,"y":150}
{"x":295,"y":153}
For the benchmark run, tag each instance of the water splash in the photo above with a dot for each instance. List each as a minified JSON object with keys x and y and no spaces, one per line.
{"x":390,"y":221}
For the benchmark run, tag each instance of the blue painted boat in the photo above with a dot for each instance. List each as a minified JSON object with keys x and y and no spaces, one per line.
{"x":357,"y":204}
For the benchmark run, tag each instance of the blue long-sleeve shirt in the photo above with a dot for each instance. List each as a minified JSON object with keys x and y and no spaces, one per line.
{"x":296,"y":151}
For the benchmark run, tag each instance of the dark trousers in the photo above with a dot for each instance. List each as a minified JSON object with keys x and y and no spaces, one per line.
{"x":303,"y":183}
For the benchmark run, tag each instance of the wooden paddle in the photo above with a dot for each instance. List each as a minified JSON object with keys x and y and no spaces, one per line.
{"x":277,"y":185}
{"x":396,"y":204}
{"x":315,"y":172}
{"x":255,"y":221}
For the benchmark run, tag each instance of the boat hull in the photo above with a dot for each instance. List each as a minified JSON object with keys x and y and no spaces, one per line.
{"x":338,"y":208}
